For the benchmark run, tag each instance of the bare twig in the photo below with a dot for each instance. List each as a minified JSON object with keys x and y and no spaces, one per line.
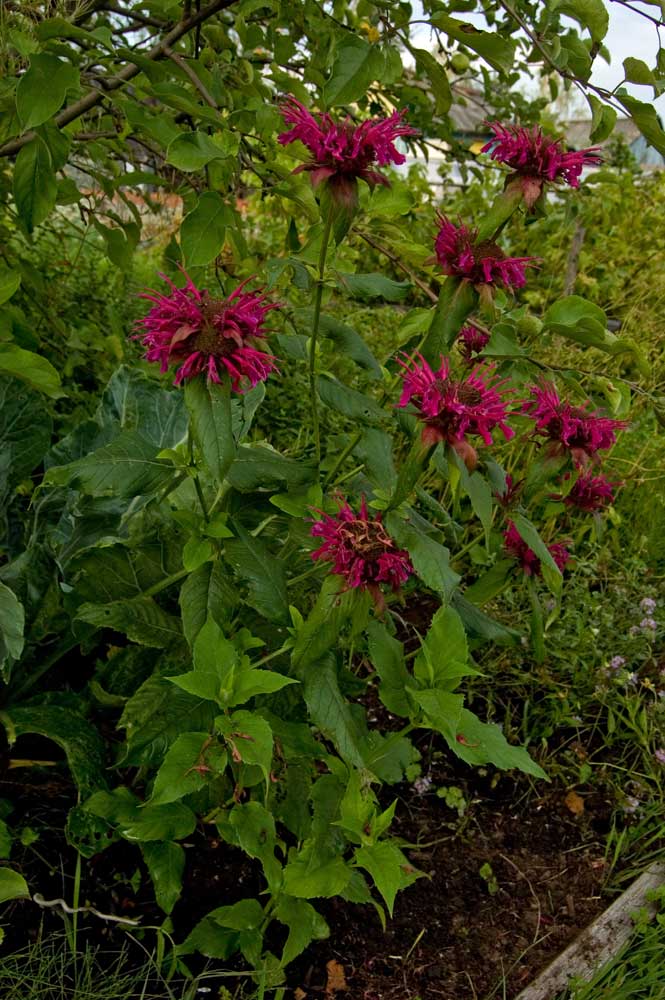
{"x":94,"y":97}
{"x":188,"y":71}
{"x":422,"y":285}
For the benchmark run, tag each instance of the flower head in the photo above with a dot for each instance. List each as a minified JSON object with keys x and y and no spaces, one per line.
{"x":569,"y":428}
{"x":516,"y":547}
{"x":341,"y":151}
{"x":536,"y":158}
{"x":483,"y":262}
{"x":472,"y":341}
{"x":361,"y":550}
{"x":660,"y":755}
{"x":648,"y":605}
{"x":452,"y":409}
{"x":649,"y":623}
{"x":590,"y":493}
{"x":617,"y":662}
{"x":204,"y":335}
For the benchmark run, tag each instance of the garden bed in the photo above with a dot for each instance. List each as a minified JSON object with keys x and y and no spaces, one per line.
{"x":508,"y":885}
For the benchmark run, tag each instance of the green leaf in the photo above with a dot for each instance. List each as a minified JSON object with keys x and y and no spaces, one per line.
{"x":263,"y":573}
{"x":250,"y":683}
{"x":203,"y":230}
{"x":332,"y":714}
{"x":603,"y":119}
{"x":349,"y":402}
{"x":35,"y":185}
{"x":127,"y":467}
{"x":36,"y":371}
{"x":646,"y":118}
{"x":42,"y":89}
{"x":305,"y":878}
{"x":496,"y":50}
{"x":12,"y":886}
{"x":262,"y":467}
{"x":156,"y":715}
{"x":442,"y":709}
{"x":387,"y":657}
{"x":140,"y":619}
{"x":480,"y":625}
{"x":442,"y":660}
{"x":171,"y":821}
{"x":166,"y":865}
{"x":478,"y":742}
{"x":135,"y":402}
{"x":304,"y":923}
{"x":25,"y":431}
{"x":591,"y":14}
{"x":428,"y":66}
{"x":9,"y":282}
{"x":637,"y":71}
{"x":389,"y":867}
{"x":206,"y":593}
{"x":356,"y":66}
{"x":374,"y":286}
{"x":12,"y":622}
{"x":249,"y":737}
{"x":430,"y":559}
{"x":550,"y":570}
{"x":346,"y":339}
{"x":80,"y":741}
{"x":191,"y":151}
{"x":320,"y":631}
{"x":209,"y":405}
{"x":189,"y":764}
{"x":253,"y":829}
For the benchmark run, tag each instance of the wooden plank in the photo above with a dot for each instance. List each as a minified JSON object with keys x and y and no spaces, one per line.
{"x":599,"y":943}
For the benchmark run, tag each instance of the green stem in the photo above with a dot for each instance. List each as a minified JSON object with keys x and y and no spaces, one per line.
{"x":199,"y":493}
{"x":313,"y":392}
{"x":165,"y":583}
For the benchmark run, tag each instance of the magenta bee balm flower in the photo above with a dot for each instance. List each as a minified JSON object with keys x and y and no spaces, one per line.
{"x":361,"y":551}
{"x":205,"y":335}
{"x":472,"y":341}
{"x":515,"y":546}
{"x":572,"y":429}
{"x":341,"y":151}
{"x":590,"y":493}
{"x":536,"y":158}
{"x":460,"y":253}
{"x":451,"y":409}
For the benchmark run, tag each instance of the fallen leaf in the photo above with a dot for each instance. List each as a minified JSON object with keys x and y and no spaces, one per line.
{"x":299,"y":994}
{"x":575,"y":803}
{"x":336,"y":980}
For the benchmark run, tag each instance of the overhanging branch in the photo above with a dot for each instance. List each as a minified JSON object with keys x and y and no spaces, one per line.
{"x":94,"y":97}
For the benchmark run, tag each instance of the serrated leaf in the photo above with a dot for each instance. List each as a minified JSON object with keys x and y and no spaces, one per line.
{"x":166,"y":865}
{"x":478,"y":742}
{"x":529,"y":533}
{"x":189,"y":764}
{"x":191,"y":151}
{"x":332,"y":714}
{"x":304,"y":923}
{"x":442,"y":709}
{"x":156,"y":715}
{"x":349,"y":402}
{"x":206,"y":593}
{"x":12,"y":623}
{"x":442,"y":660}
{"x":349,"y":340}
{"x":430,"y":559}
{"x":591,"y":14}
{"x":140,"y":619}
{"x":389,"y":867}
{"x":209,"y":405}
{"x":127,"y":467}
{"x":249,"y":738}
{"x":264,"y":468}
{"x":387,"y":657}
{"x":304,"y":878}
{"x":171,"y":821}
{"x":374,"y":286}
{"x":263,"y":573}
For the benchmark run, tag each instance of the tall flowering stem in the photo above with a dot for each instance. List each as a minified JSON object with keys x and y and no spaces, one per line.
{"x":316,"y":321}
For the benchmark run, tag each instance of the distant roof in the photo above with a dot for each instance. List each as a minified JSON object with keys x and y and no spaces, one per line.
{"x":578,"y":132}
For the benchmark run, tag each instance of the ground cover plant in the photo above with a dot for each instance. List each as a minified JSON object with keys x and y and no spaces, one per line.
{"x":318,"y":492}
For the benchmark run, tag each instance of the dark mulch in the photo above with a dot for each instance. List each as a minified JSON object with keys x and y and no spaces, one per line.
{"x":454,"y":934}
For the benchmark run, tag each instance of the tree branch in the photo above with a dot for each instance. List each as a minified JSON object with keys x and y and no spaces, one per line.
{"x":94,"y":97}
{"x":189,"y":72}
